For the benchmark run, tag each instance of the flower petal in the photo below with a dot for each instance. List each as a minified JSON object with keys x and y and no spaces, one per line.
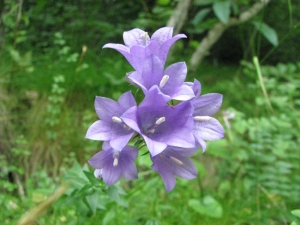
{"x":152,"y":71}
{"x":125,"y":51}
{"x":208,"y":130}
{"x":165,"y":173}
{"x":207,"y":105}
{"x":154,"y":147}
{"x":126,"y":100}
{"x":99,"y":130}
{"x":177,"y":73}
{"x":162,"y":35}
{"x":130,"y":118}
{"x":165,"y":47}
{"x":107,"y":108}
{"x":136,"y":37}
{"x":138,"y":56}
{"x":111,"y":174}
{"x":183,"y":93}
{"x":119,"y":142}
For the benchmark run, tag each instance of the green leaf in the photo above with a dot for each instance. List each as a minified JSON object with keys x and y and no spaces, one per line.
{"x":268,"y":32}
{"x":92,"y":201}
{"x":222,"y":11}
{"x":113,"y":192}
{"x":92,"y":178}
{"x":200,"y":16}
{"x":295,"y":223}
{"x":296,"y":212}
{"x":109,"y":217}
{"x":208,"y":206}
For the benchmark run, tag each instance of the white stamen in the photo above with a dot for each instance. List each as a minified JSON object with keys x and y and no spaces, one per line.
{"x":163,"y":81}
{"x":177,"y":161}
{"x":116,"y":161}
{"x":160,"y":120}
{"x":202,"y":118}
{"x":117,"y":119}
{"x":116,"y":158}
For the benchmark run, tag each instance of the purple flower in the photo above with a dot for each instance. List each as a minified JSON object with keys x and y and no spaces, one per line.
{"x":161,"y":125}
{"x":170,"y":81}
{"x":111,"y":127}
{"x":174,"y":162}
{"x":138,"y":45}
{"x":206,"y":128}
{"x":111,"y":164}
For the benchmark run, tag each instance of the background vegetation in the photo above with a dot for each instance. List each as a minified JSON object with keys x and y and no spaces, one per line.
{"x":52,"y":66}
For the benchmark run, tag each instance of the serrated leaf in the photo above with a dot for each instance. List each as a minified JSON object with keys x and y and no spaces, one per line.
{"x":208,"y":206}
{"x":222,"y":10}
{"x":268,"y":32}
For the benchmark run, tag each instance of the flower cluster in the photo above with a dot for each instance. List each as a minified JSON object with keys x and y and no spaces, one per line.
{"x":172,"y":133}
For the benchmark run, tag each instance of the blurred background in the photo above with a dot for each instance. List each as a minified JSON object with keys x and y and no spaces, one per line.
{"x":52,"y":66}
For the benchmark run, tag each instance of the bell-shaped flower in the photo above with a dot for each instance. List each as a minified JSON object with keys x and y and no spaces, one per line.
{"x":138,"y":45}
{"x":174,"y":162}
{"x":112,"y":164}
{"x":170,"y":81}
{"x":206,"y":128}
{"x":111,"y":127}
{"x":161,"y":125}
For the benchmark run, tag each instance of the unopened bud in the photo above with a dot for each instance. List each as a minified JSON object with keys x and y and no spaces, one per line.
{"x":98,"y":173}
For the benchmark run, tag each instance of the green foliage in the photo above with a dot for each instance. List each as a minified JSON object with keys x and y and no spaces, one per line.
{"x":50,"y":73}
{"x":208,"y":206}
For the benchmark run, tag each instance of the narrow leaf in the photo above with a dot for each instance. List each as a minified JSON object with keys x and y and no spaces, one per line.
{"x":268,"y":32}
{"x":200,"y":16}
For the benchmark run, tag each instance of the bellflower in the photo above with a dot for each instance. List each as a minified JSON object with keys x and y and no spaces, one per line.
{"x":111,"y":164}
{"x":172,"y":133}
{"x":206,"y":128}
{"x":174,"y":162}
{"x":138,"y":45}
{"x":161,"y":125}
{"x":110,"y":127}
{"x":170,"y":81}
